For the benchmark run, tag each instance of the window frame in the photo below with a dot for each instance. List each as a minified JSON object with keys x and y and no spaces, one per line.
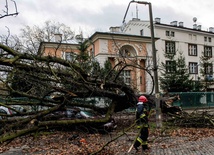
{"x":192,"y":52}
{"x":193,"y":68}
{"x":170,"y":66}
{"x":167,"y":33}
{"x":141,"y":32}
{"x":126,"y":76}
{"x":170,"y":47}
{"x":208,"y":68}
{"x":170,"y":33}
{"x":69,"y":56}
{"x":208,"y":51}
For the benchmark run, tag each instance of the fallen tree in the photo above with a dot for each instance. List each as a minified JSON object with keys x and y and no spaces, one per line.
{"x":166,"y":105}
{"x":196,"y":118}
{"x":45,"y":84}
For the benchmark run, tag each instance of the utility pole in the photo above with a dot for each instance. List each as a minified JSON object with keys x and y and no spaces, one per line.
{"x":155,"y":67}
{"x":157,"y":93}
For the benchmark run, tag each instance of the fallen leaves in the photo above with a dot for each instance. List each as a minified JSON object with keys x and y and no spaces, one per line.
{"x":193,"y":133}
{"x":58,"y":143}
{"x":67,"y":143}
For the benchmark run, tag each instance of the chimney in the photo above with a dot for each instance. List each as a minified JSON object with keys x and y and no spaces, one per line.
{"x":211,"y":29}
{"x":195,"y":26}
{"x":173,"y":23}
{"x":181,"y":24}
{"x":115,"y":29}
{"x":58,"y":38}
{"x":157,"y":20}
{"x":199,"y":27}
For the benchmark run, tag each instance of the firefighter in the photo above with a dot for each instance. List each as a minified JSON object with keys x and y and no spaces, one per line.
{"x":142,"y":112}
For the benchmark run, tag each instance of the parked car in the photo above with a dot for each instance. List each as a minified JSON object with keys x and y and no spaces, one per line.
{"x":73,"y":113}
{"x":4,"y":111}
{"x":78,"y":113}
{"x":7,"y":111}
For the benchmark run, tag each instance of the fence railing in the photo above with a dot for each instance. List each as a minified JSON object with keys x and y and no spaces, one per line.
{"x":188,"y":100}
{"x":192,"y":100}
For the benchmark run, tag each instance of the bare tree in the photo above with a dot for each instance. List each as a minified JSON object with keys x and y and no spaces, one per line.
{"x":7,"y":12}
{"x":30,"y":38}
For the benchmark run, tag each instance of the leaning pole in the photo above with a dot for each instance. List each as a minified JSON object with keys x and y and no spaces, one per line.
{"x":155,"y":66}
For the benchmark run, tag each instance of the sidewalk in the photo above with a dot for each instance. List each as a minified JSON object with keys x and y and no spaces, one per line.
{"x":163,"y":146}
{"x":178,"y":146}
{"x":182,"y":146}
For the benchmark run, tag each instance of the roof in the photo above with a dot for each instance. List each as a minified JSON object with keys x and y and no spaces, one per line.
{"x":120,"y":34}
{"x":184,"y":28}
{"x":72,"y":42}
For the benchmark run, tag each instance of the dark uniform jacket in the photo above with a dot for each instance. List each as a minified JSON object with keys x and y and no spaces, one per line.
{"x":141,"y":115}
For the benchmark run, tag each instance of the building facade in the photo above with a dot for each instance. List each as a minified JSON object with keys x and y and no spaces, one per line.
{"x":131,"y":44}
{"x":115,"y":47}
{"x":194,"y":43}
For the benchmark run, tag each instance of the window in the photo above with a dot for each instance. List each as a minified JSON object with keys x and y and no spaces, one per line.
{"x":192,"y":50}
{"x":170,"y":33}
{"x":208,"y":39}
{"x":208,"y":68}
{"x":207,"y":51}
{"x":194,"y":37}
{"x":170,"y":47}
{"x":170,"y":66}
{"x":141,"y":80}
{"x":69,"y":56}
{"x":167,"y":33}
{"x":126,"y":76}
{"x":141,"y":32}
{"x":193,"y":68}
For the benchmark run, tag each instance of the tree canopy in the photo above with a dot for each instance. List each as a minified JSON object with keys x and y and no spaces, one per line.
{"x":175,"y":76}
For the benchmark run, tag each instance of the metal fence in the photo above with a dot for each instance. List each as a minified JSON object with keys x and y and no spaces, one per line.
{"x":195,"y":100}
{"x":188,"y":100}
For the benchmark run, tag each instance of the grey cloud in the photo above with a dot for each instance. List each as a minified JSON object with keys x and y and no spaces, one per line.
{"x":35,"y":13}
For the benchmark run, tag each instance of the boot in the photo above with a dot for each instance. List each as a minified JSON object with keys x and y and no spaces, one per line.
{"x":136,"y":145}
{"x":145,"y":147}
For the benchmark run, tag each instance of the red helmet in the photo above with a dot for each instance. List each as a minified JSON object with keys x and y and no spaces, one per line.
{"x":142,"y":99}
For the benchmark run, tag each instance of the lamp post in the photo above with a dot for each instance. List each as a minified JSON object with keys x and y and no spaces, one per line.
{"x":157,"y":94}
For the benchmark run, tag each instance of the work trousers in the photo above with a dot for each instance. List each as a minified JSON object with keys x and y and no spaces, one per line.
{"x":142,"y":139}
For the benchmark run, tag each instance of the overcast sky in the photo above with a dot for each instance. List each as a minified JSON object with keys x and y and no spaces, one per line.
{"x":89,"y":16}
